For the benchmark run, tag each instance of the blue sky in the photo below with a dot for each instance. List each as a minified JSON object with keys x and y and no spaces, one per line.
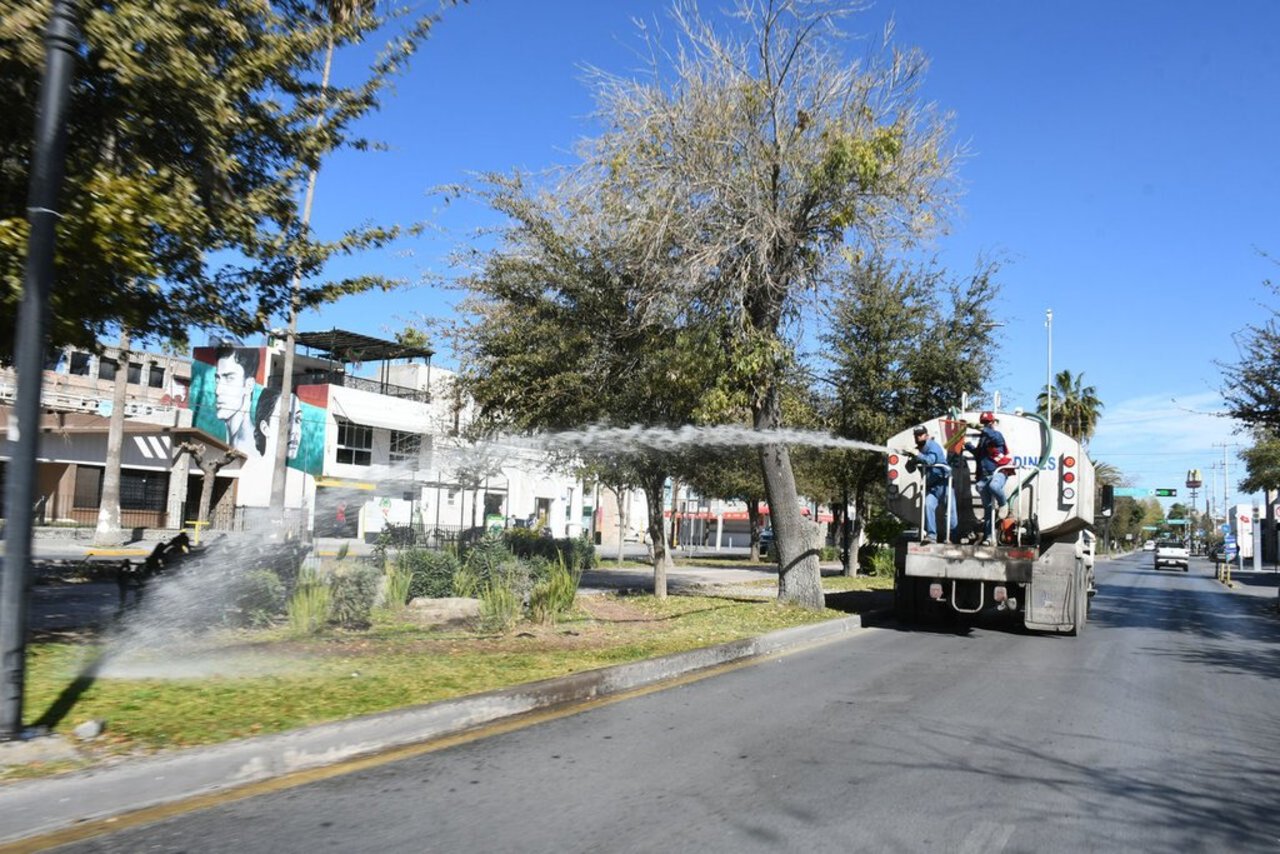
{"x":1122,"y":162}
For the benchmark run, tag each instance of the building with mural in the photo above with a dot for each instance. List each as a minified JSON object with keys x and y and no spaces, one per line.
{"x":375,"y":439}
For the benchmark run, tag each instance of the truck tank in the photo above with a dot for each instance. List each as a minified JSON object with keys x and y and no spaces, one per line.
{"x":1037,"y":566}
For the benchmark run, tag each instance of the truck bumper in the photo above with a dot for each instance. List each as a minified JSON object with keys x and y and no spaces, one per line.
{"x":969,"y":563}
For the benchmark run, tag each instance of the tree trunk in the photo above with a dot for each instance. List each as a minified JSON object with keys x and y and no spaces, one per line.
{"x":108,"y":532}
{"x":206,"y":490}
{"x":623,"y":520}
{"x":844,"y":540}
{"x":859,"y":531}
{"x":799,"y":576}
{"x":753,"y":524}
{"x":675,"y":515}
{"x":657,"y":531}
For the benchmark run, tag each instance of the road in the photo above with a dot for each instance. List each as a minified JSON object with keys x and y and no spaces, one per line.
{"x":1157,"y":730}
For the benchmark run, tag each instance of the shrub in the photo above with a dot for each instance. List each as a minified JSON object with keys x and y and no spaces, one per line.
{"x":499,"y":607}
{"x":465,"y":583}
{"x":310,"y":605}
{"x":584,"y":554}
{"x":554,"y":594}
{"x":493,"y":565}
{"x":396,"y":581}
{"x":829,"y":553}
{"x":881,"y":563}
{"x":431,"y":572}
{"x":577,"y":553}
{"x":884,"y":528}
{"x":354,"y":590}
{"x":258,"y":598}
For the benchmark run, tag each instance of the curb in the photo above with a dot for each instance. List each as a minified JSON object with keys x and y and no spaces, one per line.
{"x":43,"y":806}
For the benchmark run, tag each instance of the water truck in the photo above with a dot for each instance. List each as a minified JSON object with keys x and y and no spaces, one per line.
{"x":1038,"y":567}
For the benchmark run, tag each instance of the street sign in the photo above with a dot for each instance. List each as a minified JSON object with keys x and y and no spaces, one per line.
{"x":1166,"y":493}
{"x":1134,"y":492}
{"x":1176,"y":521}
{"x":1226,"y":529}
{"x":1150,"y":527}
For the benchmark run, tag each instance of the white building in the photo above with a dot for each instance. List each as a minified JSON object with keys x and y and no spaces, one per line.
{"x":365,"y":452}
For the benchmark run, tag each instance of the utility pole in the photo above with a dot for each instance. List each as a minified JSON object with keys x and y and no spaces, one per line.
{"x":1226,"y":477}
{"x":1048,"y":378}
{"x":61,"y":42}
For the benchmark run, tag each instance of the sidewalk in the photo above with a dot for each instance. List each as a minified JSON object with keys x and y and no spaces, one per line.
{"x":36,"y":807}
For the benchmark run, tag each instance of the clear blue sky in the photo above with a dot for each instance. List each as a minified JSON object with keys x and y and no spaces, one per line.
{"x":1123,"y":162}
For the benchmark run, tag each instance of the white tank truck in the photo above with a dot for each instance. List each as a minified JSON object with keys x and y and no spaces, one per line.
{"x":1040,"y":565}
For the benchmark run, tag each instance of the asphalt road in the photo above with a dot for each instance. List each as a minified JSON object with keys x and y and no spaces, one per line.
{"x":1158,"y":730}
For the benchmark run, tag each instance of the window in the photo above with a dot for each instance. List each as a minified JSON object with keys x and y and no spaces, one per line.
{"x":143,"y":490}
{"x":107,"y":369}
{"x":155,"y":377}
{"x":405,"y":447}
{"x":135,"y":373}
{"x":81,"y":363}
{"x":88,"y":486}
{"x":355,"y":444}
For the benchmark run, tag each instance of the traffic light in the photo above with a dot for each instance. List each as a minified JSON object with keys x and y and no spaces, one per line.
{"x":1108,"y":499}
{"x":1166,"y":493}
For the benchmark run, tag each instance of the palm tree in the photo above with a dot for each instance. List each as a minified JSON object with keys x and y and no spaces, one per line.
{"x":1076,"y":404}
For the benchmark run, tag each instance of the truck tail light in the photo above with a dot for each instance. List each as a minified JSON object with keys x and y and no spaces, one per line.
{"x":1067,"y":480}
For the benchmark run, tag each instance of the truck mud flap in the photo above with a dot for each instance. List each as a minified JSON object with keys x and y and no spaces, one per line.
{"x":1053,"y":595}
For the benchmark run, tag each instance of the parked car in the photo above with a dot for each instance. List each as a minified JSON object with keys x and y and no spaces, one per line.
{"x":766,"y":541}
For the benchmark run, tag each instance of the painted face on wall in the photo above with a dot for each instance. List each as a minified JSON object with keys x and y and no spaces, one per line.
{"x":232,"y":389}
{"x":295,"y":427}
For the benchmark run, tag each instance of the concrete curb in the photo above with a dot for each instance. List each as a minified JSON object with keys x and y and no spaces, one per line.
{"x":43,"y":806}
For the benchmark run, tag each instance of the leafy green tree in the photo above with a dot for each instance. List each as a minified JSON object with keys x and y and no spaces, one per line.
{"x":906,"y":344}
{"x":1262,"y":462}
{"x":191,"y":124}
{"x":551,"y":341}
{"x":1076,"y":406}
{"x":740,"y":236}
{"x":1251,"y":386}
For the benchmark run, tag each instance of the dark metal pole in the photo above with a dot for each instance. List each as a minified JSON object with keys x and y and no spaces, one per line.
{"x":61,"y":40}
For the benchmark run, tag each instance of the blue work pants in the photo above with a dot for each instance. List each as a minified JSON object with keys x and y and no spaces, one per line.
{"x":992,"y":491}
{"x":932,"y":498}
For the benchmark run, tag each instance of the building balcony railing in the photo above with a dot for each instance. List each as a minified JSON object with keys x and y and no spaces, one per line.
{"x":372,"y":386}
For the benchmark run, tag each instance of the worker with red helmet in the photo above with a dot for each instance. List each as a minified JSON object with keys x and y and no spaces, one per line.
{"x":990,"y":452}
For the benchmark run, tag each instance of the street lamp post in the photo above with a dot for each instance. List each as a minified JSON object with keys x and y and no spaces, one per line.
{"x":1048,"y":377}
{"x":61,"y":39}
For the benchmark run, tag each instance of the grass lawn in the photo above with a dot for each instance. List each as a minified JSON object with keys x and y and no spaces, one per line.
{"x":232,"y":684}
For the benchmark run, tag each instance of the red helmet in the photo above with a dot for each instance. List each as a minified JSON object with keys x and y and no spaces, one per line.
{"x":986,"y":418}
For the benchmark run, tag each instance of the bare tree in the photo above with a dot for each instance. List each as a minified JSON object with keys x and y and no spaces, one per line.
{"x":209,"y":465}
{"x":741,"y":172}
